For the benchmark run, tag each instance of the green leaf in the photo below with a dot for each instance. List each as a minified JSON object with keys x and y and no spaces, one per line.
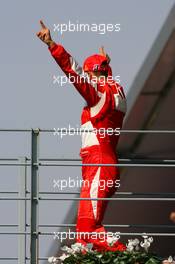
{"x":153,"y":261}
{"x":106,"y":260}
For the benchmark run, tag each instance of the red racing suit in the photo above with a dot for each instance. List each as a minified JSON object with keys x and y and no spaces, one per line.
{"x":102,"y":118}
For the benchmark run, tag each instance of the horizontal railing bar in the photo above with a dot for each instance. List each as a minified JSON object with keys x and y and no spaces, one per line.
{"x":83,"y":130}
{"x":107,"y":165}
{"x":17,"y":258}
{"x":6,"y":192}
{"x":105,"y":225}
{"x":124,"y":161}
{"x":27,"y":259}
{"x":8,"y":225}
{"x":109,"y":199}
{"x":15,"y":164}
{"x":15,"y":130}
{"x":8,"y":258}
{"x":14,"y":198}
{"x":44,"y":258}
{"x":90,"y":199}
{"x":10,"y":159}
{"x":14,"y":233}
{"x":162,"y":195}
{"x":120,"y":233}
{"x":121,"y":131}
{"x":119,"y":159}
{"x":152,"y":160}
{"x":114,"y":226}
{"x":92,"y":165}
{"x":118,"y":193}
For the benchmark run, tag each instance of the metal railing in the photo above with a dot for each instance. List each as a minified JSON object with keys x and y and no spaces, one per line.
{"x":34,"y":162}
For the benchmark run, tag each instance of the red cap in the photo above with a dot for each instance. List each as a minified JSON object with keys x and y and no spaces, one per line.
{"x":96,"y":62}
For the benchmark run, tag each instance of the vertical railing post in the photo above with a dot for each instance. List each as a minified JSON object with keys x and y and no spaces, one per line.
{"x":34,"y":238}
{"x":22,"y":212}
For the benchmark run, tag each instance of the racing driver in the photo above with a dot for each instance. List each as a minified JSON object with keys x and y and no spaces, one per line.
{"x":105,"y":110}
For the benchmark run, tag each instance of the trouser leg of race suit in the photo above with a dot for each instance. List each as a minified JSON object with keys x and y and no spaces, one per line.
{"x":99,"y":182}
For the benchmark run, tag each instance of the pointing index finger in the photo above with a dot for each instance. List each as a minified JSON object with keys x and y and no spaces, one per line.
{"x":42,"y":24}
{"x":102,"y":51}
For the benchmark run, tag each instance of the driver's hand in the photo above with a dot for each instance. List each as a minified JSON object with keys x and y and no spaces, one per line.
{"x":44,"y":34}
{"x":103,"y":53}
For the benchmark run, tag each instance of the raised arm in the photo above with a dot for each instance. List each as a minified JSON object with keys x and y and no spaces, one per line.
{"x":102,"y":52}
{"x":70,"y":67}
